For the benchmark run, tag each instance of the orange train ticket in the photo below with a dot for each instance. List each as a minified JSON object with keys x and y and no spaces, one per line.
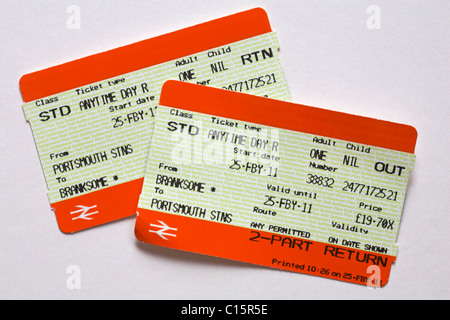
{"x":275,"y":183}
{"x":92,"y":119}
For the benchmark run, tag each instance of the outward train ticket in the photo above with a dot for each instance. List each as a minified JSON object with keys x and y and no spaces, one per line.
{"x":275,"y":183}
{"x":93,"y":118}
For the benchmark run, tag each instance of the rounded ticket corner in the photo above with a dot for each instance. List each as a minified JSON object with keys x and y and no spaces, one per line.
{"x":411,"y":135}
{"x":65,"y":230}
{"x":138,"y":235}
{"x":61,"y":226}
{"x":22,"y":79}
{"x":27,"y":87}
{"x":169,"y":84}
{"x":385,"y":283}
{"x":22,"y":84}
{"x":413,"y":132}
{"x":261,"y":11}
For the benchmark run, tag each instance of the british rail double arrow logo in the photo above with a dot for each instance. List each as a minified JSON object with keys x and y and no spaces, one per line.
{"x":84,"y":212}
{"x":162,"y":230}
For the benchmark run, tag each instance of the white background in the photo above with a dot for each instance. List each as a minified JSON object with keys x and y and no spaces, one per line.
{"x":399,"y":72}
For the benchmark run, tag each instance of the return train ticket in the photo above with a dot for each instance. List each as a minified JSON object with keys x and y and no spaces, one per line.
{"x":93,"y":118}
{"x":275,"y":183}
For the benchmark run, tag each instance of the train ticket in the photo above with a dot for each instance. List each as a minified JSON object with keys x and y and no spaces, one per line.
{"x":275,"y":183}
{"x":92,"y":119}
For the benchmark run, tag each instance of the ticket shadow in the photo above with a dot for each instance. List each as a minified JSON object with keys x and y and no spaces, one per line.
{"x":178,"y":256}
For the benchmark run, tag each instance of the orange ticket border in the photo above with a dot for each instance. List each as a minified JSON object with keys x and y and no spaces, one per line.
{"x":144,"y":54}
{"x":289,"y":116}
